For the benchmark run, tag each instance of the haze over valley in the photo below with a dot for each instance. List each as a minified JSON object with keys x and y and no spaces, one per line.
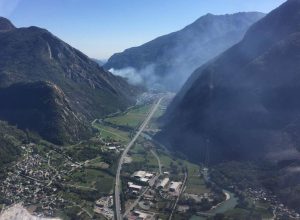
{"x":200,"y":123}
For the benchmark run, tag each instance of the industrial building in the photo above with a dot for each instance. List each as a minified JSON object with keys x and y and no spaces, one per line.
{"x":174,"y":186}
{"x":143,"y":176}
{"x":134,"y":187}
{"x":163,"y":183}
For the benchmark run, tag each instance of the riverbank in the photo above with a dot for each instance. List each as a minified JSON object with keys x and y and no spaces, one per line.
{"x":227,"y":197}
{"x":229,"y":203}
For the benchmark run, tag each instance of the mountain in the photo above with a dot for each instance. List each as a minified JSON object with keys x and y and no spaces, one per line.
{"x":43,"y":107}
{"x":75,"y":86}
{"x":100,"y":62}
{"x":11,"y":139}
{"x":6,"y":25}
{"x":244,"y":105}
{"x":34,"y":54}
{"x":169,"y":60}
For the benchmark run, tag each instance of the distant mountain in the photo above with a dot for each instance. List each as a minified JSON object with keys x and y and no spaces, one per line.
{"x":100,"y":62}
{"x":169,"y":60}
{"x":33,"y":54}
{"x":244,"y":105}
{"x":43,"y":107}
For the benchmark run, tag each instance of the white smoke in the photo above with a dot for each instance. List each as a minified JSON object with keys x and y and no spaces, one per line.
{"x":145,"y":76}
{"x":129,"y":73}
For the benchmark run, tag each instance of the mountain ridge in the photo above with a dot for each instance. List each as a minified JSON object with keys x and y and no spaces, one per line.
{"x":31,"y":55}
{"x":6,"y":25}
{"x":42,"y":106}
{"x":229,"y":104}
{"x":180,"y":53}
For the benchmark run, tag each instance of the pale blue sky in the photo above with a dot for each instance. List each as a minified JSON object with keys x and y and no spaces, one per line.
{"x":100,"y":28}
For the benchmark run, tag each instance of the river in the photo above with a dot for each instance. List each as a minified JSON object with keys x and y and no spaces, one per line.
{"x":228,"y":204}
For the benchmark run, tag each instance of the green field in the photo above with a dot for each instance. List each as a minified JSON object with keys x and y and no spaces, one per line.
{"x":92,"y":178}
{"x":132,"y":118}
{"x":112,"y":133}
{"x":195,"y":183}
{"x":263,"y":209}
{"x":142,"y":158}
{"x":257,"y":213}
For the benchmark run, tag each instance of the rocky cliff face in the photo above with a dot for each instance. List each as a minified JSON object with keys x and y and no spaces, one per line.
{"x":34,"y":54}
{"x":78,"y":88}
{"x":43,"y":107}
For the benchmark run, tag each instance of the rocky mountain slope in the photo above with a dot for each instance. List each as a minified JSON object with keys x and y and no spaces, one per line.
{"x":33,"y":54}
{"x":169,"y":60}
{"x":43,"y":107}
{"x":6,"y":25}
{"x":245,"y":103}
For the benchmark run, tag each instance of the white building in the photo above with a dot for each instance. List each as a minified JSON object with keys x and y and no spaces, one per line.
{"x":141,"y":215}
{"x":142,"y":175}
{"x":163,"y":183}
{"x":175,"y":186}
{"x":134,"y":187}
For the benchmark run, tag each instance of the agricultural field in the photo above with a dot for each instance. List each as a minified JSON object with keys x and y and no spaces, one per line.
{"x":132,"y":118}
{"x":92,"y":179}
{"x":142,"y":158}
{"x":108,"y":132}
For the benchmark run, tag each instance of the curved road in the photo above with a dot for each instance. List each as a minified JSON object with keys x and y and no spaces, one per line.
{"x":118,"y":181}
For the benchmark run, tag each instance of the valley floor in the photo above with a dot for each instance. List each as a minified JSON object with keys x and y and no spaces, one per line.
{"x":77,"y":181}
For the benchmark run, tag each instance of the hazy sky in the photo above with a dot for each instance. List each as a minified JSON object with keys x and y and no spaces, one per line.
{"x":100,"y":28}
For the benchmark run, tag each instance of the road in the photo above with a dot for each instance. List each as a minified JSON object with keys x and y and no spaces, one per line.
{"x":118,"y":181}
{"x":134,"y":204}
{"x":158,"y":161}
{"x":180,"y":192}
{"x":151,"y":184}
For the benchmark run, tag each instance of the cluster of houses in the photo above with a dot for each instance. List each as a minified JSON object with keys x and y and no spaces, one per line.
{"x":112,"y":146}
{"x":28,"y":183}
{"x":210,"y":197}
{"x":104,"y":206}
{"x":27,"y":168}
{"x":279,"y":209}
{"x":141,"y":215}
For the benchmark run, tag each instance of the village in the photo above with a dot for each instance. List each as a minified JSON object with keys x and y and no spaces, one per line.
{"x":278,"y":209}
{"x":36,"y":180}
{"x":155,"y":184}
{"x":30,"y":182}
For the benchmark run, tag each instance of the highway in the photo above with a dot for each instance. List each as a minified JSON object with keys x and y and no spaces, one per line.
{"x":130,"y":144}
